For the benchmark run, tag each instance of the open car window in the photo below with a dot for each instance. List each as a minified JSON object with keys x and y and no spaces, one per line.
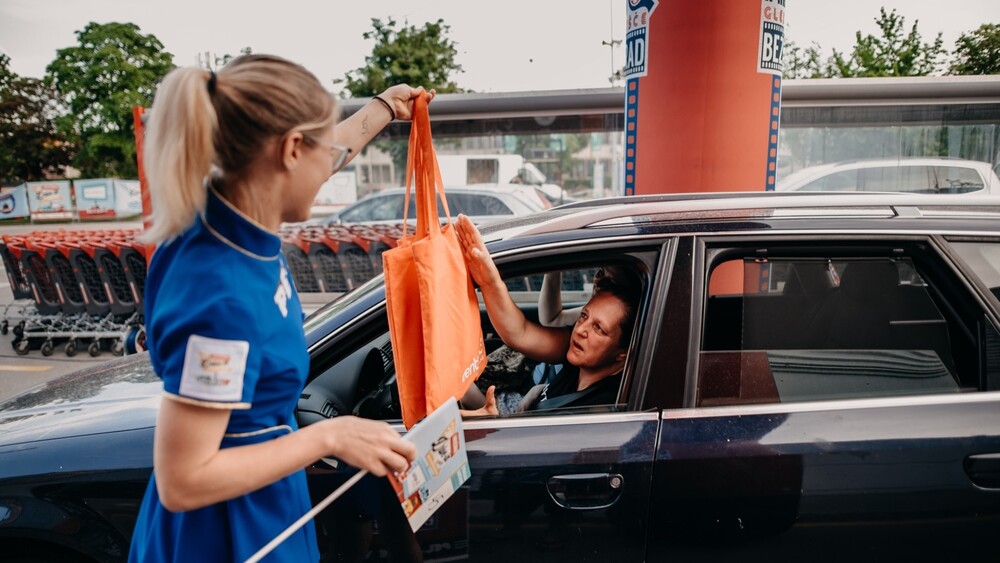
{"x":362,"y":380}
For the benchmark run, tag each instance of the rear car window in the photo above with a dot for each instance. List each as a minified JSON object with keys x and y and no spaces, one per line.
{"x":959,"y":180}
{"x":791,"y":330}
{"x":984,"y":259}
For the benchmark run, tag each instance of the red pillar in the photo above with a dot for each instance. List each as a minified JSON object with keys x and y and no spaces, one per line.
{"x":147,"y":203}
{"x":702,"y":95}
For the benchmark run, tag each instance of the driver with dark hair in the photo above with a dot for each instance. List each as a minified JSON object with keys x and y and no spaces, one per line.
{"x":593,"y":350}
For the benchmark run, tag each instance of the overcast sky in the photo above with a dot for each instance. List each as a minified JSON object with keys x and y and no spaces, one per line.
{"x":507,"y":46}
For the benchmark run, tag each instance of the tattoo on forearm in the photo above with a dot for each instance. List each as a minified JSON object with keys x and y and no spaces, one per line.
{"x":364,"y":126}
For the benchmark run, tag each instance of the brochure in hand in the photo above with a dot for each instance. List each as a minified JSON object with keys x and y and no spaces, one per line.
{"x":441,"y":466}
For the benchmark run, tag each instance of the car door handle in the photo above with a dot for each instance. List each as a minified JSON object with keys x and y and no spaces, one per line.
{"x":586,"y":491}
{"x":984,"y":470}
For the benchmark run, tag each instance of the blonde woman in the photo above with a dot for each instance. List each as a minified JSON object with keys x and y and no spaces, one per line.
{"x":229,"y":157}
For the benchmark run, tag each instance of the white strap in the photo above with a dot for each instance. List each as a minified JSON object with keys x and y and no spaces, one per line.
{"x":305,"y":518}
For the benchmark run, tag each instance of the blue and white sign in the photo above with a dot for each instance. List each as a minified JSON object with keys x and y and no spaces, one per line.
{"x":637,"y":37}
{"x":772,"y":36}
{"x":50,"y":201}
{"x":14,"y":202}
{"x":128,"y":198}
{"x":95,"y":199}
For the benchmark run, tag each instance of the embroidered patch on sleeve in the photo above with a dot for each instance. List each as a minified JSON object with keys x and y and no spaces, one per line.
{"x":214,"y":369}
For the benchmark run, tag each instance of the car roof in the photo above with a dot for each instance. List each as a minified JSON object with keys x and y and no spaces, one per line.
{"x":701,"y":208}
{"x":473,"y":188}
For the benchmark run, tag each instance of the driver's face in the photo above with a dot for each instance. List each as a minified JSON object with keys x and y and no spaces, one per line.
{"x":596,"y":339}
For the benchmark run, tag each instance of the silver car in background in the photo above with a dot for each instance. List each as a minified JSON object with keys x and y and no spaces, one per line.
{"x":909,"y":175}
{"x":481,"y":202}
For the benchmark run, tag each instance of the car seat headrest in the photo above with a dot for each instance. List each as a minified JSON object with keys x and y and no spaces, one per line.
{"x":869,"y":280}
{"x":808,"y":280}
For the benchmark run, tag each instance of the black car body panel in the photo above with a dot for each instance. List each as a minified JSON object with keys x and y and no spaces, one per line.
{"x":735,"y":435}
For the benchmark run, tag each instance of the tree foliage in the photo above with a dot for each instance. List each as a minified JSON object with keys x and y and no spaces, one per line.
{"x":112,"y":69}
{"x":419,"y":56}
{"x":894,"y":53}
{"x":978,"y":52}
{"x":423,"y":56}
{"x":803,"y":63}
{"x":30,"y":145}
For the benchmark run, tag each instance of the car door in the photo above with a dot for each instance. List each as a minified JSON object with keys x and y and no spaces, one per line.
{"x":840,"y":404}
{"x":568,"y":484}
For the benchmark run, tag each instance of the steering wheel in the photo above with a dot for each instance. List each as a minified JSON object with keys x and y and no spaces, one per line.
{"x":376,"y":397}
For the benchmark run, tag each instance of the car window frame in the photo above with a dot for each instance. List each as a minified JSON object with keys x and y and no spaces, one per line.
{"x":367,"y":326}
{"x":708,"y":248}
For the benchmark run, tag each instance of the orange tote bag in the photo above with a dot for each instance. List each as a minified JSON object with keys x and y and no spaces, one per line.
{"x":434,"y":325}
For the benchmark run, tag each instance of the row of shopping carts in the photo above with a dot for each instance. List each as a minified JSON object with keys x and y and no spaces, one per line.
{"x":78,"y":289}
{"x":336,"y":258}
{"x":83,"y":290}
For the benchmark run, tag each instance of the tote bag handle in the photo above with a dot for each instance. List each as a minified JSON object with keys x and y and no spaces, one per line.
{"x":422,"y":170}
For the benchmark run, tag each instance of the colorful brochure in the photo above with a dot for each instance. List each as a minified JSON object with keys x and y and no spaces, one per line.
{"x":441,"y":466}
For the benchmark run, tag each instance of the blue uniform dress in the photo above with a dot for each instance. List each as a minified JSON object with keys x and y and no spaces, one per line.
{"x":224,"y":328}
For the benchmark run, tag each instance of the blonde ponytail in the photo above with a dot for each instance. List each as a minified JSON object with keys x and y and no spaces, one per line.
{"x":199,"y":121}
{"x":179,"y":151}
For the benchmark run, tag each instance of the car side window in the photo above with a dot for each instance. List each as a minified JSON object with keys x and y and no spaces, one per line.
{"x":958,"y":180}
{"x":882,"y":179}
{"x":383,"y":208}
{"x":822,"y":328}
{"x":983,"y":257}
{"x":389,"y":208}
{"x":516,"y":376}
{"x":477,"y":205}
{"x":359,"y":212}
{"x":843,"y":181}
{"x":361,"y":379}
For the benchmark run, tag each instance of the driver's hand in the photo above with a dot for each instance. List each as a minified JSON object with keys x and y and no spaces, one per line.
{"x":488,"y":409}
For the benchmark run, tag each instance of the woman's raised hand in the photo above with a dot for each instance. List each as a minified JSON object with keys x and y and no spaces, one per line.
{"x":484,"y":272}
{"x":401,"y":98}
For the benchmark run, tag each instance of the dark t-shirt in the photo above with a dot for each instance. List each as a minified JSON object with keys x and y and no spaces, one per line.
{"x":561,"y":392}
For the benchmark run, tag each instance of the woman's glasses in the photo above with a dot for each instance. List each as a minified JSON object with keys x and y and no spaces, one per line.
{"x":340,"y":153}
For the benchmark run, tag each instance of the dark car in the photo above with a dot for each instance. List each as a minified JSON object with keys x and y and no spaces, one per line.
{"x":811,"y":377}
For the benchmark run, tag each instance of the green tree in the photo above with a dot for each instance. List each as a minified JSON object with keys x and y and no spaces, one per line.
{"x":803,"y":63}
{"x":893,"y":53}
{"x":113,"y":69}
{"x":6,"y":75}
{"x":30,"y":145}
{"x":423,"y":56}
{"x":978,"y":52}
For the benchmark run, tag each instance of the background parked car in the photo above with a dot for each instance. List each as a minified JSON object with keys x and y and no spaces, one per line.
{"x":481,"y":202}
{"x":811,"y":377}
{"x":911,"y":175}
